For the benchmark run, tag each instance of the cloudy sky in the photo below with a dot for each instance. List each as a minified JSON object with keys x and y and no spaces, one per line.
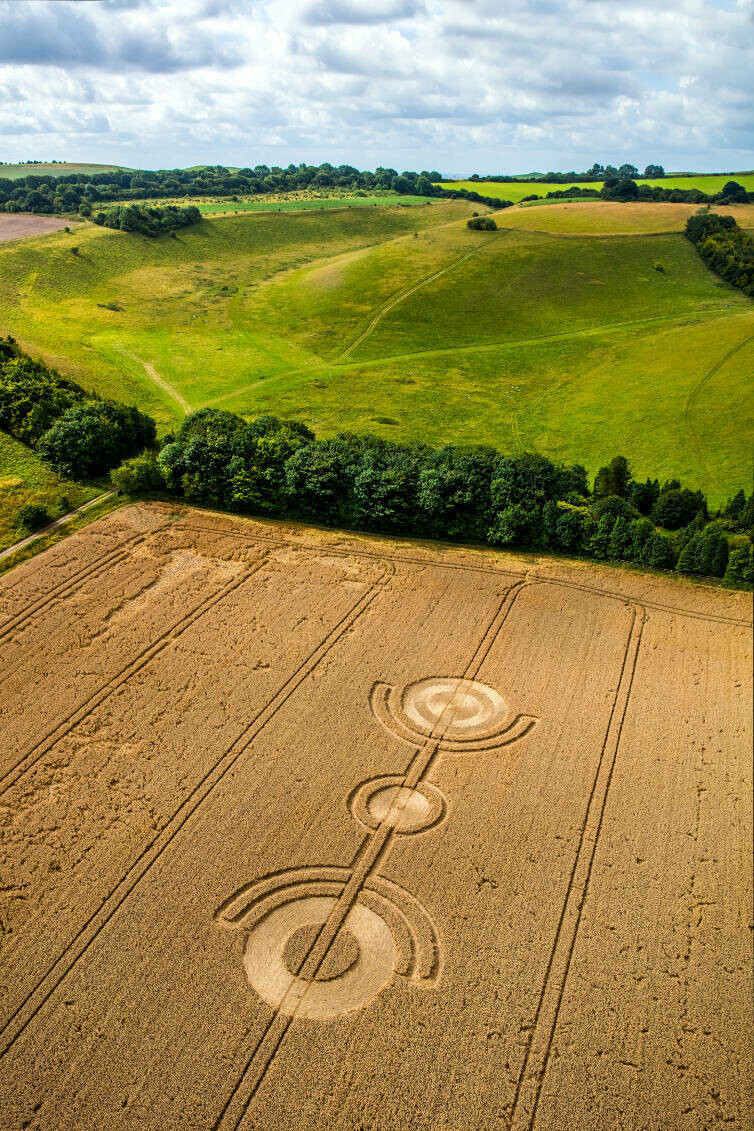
{"x":455,"y":85}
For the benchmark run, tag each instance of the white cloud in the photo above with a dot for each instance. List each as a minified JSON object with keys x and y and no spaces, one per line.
{"x":460,"y":85}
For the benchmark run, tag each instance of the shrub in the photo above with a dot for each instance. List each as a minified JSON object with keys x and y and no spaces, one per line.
{"x":90,"y":438}
{"x":139,"y":475}
{"x":32,"y":517}
{"x":676,"y":508}
{"x":481,"y":224}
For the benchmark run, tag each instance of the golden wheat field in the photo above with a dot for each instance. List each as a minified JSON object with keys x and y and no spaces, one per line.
{"x":310,"y":830}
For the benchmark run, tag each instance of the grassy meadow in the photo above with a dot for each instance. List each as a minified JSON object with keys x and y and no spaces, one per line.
{"x":517,"y":190}
{"x":25,"y":478}
{"x":405,"y":323}
{"x":609,"y":218}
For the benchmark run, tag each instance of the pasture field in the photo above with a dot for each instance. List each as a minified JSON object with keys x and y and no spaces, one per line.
{"x":24,"y":479}
{"x":404,"y":323}
{"x":286,"y":202}
{"x":517,"y":190}
{"x":308,"y":830}
{"x":59,"y":169}
{"x":610,"y":218}
{"x":293,"y":203}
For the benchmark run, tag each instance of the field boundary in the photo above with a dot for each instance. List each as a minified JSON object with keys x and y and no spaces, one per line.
{"x":34,"y":1001}
{"x":542,"y":1031}
{"x":397,"y":559}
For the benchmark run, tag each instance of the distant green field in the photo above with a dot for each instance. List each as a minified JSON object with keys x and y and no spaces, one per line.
{"x":516,"y":191}
{"x":59,"y":169}
{"x":24,"y":478}
{"x":404,"y":323}
{"x":386,"y":200}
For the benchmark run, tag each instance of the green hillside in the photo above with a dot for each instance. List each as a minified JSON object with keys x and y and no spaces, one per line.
{"x":54,"y":169}
{"x":403,"y":322}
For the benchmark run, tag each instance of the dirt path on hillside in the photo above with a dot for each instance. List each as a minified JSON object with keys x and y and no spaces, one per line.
{"x":591,"y":331}
{"x":159,"y":381}
{"x":694,"y":395}
{"x":403,"y":295}
{"x":54,"y":525}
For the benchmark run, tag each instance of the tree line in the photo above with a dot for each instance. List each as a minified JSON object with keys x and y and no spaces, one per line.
{"x":725,"y":248}
{"x":79,"y":434}
{"x":45,"y":193}
{"x":626,"y":189}
{"x":275,"y":467}
{"x":597,"y":172}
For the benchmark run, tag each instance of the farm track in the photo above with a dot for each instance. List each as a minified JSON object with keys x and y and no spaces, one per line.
{"x":696,"y":392}
{"x":538,"y":1047}
{"x":131,"y":995}
{"x":54,"y":525}
{"x":159,"y":381}
{"x":403,"y":295}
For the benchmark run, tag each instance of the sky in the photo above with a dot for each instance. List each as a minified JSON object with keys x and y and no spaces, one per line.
{"x":461,"y":86}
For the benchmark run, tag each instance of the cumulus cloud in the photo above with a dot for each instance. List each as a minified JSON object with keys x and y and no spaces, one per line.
{"x":461,"y":85}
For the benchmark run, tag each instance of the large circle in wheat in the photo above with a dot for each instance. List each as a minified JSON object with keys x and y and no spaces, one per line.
{"x":268,"y":974}
{"x":454,"y":708}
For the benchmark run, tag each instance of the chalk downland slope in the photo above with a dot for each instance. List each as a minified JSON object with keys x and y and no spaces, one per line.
{"x":402,"y":322}
{"x":479,"y":825}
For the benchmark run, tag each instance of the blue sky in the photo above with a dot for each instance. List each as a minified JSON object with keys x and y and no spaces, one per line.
{"x":456,"y":85}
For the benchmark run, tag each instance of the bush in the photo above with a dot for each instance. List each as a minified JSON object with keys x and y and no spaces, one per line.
{"x":89,"y":439}
{"x":677,"y":508}
{"x":139,"y":475}
{"x":481,"y":224}
{"x":741,"y":564}
{"x":32,"y":517}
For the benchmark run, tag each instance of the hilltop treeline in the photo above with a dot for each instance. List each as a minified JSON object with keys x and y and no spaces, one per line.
{"x":149,"y":221}
{"x":82,"y":191}
{"x":597,"y":172}
{"x":626,"y":189}
{"x":472,"y":494}
{"x":725,"y":248}
{"x":80,"y":434}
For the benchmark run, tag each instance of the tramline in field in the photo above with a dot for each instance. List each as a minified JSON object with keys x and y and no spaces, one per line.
{"x":291,"y":800}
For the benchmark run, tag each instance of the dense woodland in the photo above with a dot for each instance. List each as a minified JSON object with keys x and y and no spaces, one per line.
{"x":81,"y":192}
{"x":470,"y":494}
{"x":149,"y":221}
{"x":79,"y":434}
